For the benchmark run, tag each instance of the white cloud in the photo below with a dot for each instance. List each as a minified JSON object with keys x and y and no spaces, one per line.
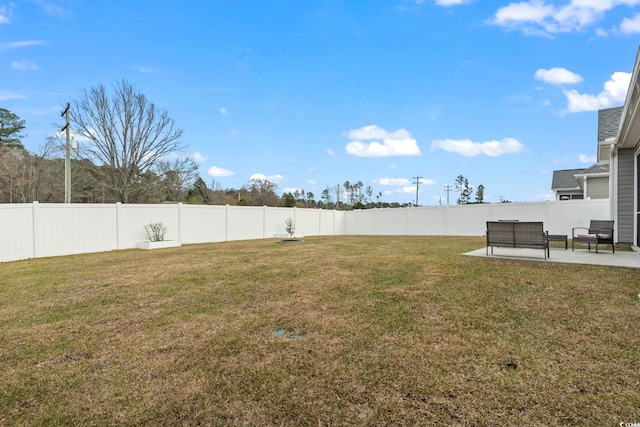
{"x":4,"y":95}
{"x":224,"y":111}
{"x":515,"y":14}
{"x":407,"y":189}
{"x":374,"y":132}
{"x":20,"y":44}
{"x":311,"y":182}
{"x":405,"y":186}
{"x":398,"y":143}
{"x":216,"y":171}
{"x":4,"y":16}
{"x":76,"y":137}
{"x":468,"y":148}
{"x":583,"y":158}
{"x":558,"y":76}
{"x":198,"y":157}
{"x":235,"y":132}
{"x":540,"y":17}
{"x":24,"y":65}
{"x":631,"y":26}
{"x":52,"y":8}
{"x":614,"y":92}
{"x":330,"y":152}
{"x":148,"y":70}
{"x":261,"y":177}
{"x":451,"y":2}
{"x":392,"y":181}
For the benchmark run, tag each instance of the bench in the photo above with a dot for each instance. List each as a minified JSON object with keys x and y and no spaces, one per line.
{"x":559,"y":238}
{"x":516,"y":234}
{"x":599,"y":232}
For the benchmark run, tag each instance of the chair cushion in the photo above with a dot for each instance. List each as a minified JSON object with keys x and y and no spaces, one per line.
{"x":593,"y":236}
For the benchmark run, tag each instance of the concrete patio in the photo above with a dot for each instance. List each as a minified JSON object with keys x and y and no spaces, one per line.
{"x":626,"y":258}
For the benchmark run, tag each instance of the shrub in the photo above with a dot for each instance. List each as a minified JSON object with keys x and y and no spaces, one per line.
{"x":155,"y":231}
{"x":289,"y":227}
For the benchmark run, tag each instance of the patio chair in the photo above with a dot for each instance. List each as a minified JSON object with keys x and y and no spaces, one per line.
{"x":599,"y":232}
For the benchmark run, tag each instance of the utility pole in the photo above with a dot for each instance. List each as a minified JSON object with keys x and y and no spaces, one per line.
{"x":417,"y":183}
{"x":67,"y":158}
{"x":447,"y":188}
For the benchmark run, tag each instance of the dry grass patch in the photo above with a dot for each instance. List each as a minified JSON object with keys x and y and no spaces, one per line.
{"x":334,"y":331}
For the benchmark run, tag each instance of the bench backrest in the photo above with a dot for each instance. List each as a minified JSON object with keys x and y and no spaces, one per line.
{"x":600,"y":224}
{"x":515,"y":232}
{"x":500,"y":232}
{"x":529,"y":232}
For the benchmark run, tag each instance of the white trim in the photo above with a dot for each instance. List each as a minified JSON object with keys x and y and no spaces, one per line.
{"x":636,"y":203}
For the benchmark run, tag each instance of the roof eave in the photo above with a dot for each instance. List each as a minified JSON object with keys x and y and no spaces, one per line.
{"x":629,"y":129}
{"x":590,"y":175}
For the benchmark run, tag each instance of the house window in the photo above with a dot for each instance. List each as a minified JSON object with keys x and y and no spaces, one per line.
{"x":571,"y":197}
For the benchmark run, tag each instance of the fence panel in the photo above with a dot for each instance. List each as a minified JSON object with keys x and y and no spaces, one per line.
{"x":275,"y":221}
{"x":427,"y":221}
{"x":245,"y":222}
{"x":203,"y":224}
{"x":16,"y":231}
{"x":328,"y":222}
{"x":132,"y":219}
{"x":71,"y":229}
{"x":36,"y":230}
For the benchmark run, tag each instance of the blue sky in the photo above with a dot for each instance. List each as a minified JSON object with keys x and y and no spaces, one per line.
{"x":310,"y":94}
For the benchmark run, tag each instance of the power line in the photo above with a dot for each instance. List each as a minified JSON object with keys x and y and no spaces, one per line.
{"x":67,"y":158}
{"x":447,"y":188}
{"x":417,"y":183}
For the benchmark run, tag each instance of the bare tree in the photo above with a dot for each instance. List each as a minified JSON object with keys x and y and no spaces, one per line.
{"x":177,"y":176}
{"x":262,"y":192}
{"x":128,"y":135}
{"x":11,"y":174}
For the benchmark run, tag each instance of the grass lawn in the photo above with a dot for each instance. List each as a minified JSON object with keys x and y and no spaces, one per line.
{"x":333,"y":331}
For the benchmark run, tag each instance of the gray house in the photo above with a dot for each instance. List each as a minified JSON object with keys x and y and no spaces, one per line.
{"x":592,"y":182}
{"x":625,"y":158}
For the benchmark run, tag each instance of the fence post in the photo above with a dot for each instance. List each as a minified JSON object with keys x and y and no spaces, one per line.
{"x":34,"y":209}
{"x":118,"y":207}
{"x":180,"y":222}
{"x":264,"y":221}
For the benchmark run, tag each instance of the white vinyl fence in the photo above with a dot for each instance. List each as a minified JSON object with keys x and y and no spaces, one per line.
{"x":35,"y":230}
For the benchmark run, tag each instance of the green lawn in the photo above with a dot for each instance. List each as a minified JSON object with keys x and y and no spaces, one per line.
{"x":332,"y":331}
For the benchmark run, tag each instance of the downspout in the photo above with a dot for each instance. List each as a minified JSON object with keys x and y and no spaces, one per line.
{"x":613,"y":186}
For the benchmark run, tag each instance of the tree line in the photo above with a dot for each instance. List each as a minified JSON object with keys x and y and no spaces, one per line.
{"x":126,"y":159}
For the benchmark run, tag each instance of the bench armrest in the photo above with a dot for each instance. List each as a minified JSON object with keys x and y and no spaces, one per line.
{"x":573,"y":230}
